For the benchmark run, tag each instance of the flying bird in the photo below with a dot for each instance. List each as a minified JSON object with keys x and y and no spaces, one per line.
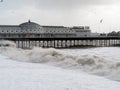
{"x":101,"y":20}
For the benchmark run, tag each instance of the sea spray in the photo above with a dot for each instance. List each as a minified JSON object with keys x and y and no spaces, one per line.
{"x":7,"y":43}
{"x":88,"y":63}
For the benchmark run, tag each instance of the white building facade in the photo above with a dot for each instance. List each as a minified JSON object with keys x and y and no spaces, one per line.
{"x":33,"y":30}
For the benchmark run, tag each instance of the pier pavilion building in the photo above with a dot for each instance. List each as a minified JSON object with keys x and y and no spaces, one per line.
{"x":33,"y":30}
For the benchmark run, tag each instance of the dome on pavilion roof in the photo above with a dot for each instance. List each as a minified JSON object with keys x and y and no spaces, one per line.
{"x":29,"y":25}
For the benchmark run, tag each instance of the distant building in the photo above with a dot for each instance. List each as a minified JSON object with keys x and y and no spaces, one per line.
{"x":113,"y":33}
{"x":33,"y":30}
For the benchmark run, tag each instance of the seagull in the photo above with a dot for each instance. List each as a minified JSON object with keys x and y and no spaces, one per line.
{"x":101,"y":20}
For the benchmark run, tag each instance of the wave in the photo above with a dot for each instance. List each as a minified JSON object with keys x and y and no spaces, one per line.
{"x":7,"y":43}
{"x":88,"y":63}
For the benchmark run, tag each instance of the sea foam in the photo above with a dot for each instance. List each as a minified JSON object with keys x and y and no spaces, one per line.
{"x":88,"y":63}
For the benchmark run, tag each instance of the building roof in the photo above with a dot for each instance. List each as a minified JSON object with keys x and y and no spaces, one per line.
{"x":29,"y":25}
{"x":53,"y":27}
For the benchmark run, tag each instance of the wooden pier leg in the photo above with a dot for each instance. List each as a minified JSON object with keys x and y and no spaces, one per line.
{"x":26,"y":44}
{"x":47,"y":43}
{"x":57,"y":43}
{"x":39,"y":43}
{"x":43,"y":44}
{"x":91,"y":42}
{"x":51,"y":43}
{"x":101,"y":43}
{"x":87,"y":42}
{"x":104,"y":42}
{"x":60,"y":43}
{"x":29,"y":44}
{"x":18,"y":44}
{"x":70,"y":43}
{"x":109,"y":42}
{"x":81,"y":43}
{"x":35,"y":43}
{"x":114,"y":42}
{"x":65,"y":43}
{"x":22,"y":43}
{"x":77,"y":42}
{"x":74,"y":43}
{"x":98,"y":43}
{"x":119,"y":42}
{"x":54,"y":44}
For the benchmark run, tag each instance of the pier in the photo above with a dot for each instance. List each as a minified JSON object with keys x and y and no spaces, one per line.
{"x":30,"y":34}
{"x":73,"y":42}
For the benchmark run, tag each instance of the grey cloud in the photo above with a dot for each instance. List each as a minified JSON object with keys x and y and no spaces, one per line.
{"x":68,"y":4}
{"x":60,"y":4}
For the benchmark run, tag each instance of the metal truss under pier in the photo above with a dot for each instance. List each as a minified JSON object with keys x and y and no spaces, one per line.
{"x":65,"y":42}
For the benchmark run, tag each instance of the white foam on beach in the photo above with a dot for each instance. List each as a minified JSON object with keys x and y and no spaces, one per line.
{"x":16,"y":75}
{"x":88,"y":63}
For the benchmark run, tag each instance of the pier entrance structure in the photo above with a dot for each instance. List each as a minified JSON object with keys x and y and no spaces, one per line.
{"x":30,"y":34}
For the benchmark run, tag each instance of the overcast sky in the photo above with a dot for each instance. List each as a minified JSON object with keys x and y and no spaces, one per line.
{"x":63,"y":12}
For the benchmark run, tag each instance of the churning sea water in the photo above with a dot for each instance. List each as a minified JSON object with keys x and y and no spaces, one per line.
{"x":109,"y":53}
{"x":102,"y":61}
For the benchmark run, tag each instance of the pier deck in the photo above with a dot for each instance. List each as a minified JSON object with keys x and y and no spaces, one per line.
{"x":66,"y":42}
